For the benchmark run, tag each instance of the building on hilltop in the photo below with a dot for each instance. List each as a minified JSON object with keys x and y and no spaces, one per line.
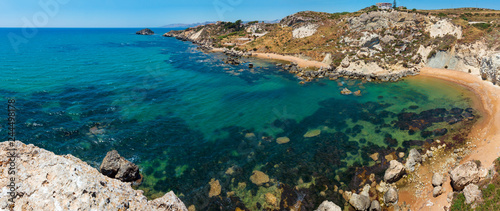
{"x":384,"y":6}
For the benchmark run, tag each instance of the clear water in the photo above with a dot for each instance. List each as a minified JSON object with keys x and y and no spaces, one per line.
{"x":185,"y":117}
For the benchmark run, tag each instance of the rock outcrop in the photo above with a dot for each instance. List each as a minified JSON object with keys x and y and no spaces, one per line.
{"x":395,"y":171}
{"x":472,"y":194}
{"x":437,"y":179}
{"x":328,"y":206}
{"x":391,"y":196}
{"x":414,"y":158}
{"x":116,"y":166}
{"x":360,"y":201}
{"x":145,"y":31}
{"x":375,"y":206}
{"x":46,"y":181}
{"x":465,"y":174}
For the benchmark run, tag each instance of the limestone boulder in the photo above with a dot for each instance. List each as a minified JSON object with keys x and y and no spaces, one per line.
{"x":395,"y":171}
{"x":328,"y":206}
{"x":464,"y":174}
{"x":414,"y":158}
{"x":472,"y":194}
{"x":359,"y":202}
{"x":437,"y":179}
{"x":391,"y":196}
{"x":116,"y":166}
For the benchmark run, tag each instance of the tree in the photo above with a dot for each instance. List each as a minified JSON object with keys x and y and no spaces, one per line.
{"x":394,"y":6}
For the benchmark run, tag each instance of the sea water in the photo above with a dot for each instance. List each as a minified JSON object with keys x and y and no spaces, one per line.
{"x":187,"y":119}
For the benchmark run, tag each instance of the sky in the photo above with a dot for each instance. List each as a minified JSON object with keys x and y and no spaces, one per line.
{"x":156,"y":13}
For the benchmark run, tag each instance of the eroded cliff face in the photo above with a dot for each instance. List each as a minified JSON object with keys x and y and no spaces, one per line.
{"x":45,"y":181}
{"x":368,"y":44}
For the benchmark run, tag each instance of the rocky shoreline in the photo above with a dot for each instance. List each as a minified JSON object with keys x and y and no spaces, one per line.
{"x":45,"y":181}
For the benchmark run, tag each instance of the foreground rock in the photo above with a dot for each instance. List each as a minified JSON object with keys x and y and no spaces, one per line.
{"x":395,"y":171}
{"x":259,"y":177}
{"x":437,"y":179}
{"x":465,"y":174}
{"x":116,"y":166}
{"x":328,"y":206}
{"x":391,"y":196}
{"x":360,"y":202}
{"x":375,"y":206}
{"x":54,"y":182}
{"x":414,"y":158}
{"x":145,"y":31}
{"x":472,"y":194}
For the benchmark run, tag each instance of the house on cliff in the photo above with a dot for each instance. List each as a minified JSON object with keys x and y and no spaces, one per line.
{"x":384,"y":6}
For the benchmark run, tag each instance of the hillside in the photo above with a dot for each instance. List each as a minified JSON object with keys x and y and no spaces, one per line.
{"x":369,"y":43}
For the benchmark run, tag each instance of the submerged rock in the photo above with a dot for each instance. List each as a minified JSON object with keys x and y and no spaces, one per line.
{"x":54,"y":182}
{"x":312,"y":133}
{"x":215,"y":188}
{"x":394,"y":172}
{"x":345,"y":91}
{"x":116,"y":166}
{"x":145,"y":31}
{"x":282,"y":140}
{"x":259,"y":178}
{"x":328,"y":206}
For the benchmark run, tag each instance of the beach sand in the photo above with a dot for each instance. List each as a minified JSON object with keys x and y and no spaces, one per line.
{"x":300,"y":62}
{"x":484,"y":134}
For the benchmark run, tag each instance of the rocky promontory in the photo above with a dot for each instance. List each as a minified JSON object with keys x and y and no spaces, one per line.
{"x":370,"y":44}
{"x":45,"y":181}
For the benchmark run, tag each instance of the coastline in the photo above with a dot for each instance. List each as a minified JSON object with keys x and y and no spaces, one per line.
{"x":484,"y":135}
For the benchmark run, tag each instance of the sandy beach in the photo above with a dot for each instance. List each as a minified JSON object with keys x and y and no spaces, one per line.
{"x":300,"y":62}
{"x":484,"y":134}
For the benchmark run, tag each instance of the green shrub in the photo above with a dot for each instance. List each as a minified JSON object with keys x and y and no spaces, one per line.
{"x":459,"y":204}
{"x":431,"y":54}
{"x":442,"y":14}
{"x":482,"y":26}
{"x":414,"y":10}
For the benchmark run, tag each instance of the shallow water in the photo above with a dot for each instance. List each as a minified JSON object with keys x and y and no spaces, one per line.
{"x":185,"y":117}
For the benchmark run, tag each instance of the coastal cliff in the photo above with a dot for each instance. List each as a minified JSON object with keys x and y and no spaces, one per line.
{"x":370,"y":44}
{"x":45,"y":181}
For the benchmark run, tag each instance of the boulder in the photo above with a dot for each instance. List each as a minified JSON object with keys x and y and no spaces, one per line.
{"x":413,"y":159}
{"x":346,"y":91}
{"x":145,"y":31}
{"x":464,"y":174}
{"x":375,"y":206}
{"x":391,"y":196}
{"x":437,"y":179}
{"x":328,"y":206}
{"x":438,"y":190}
{"x":472,"y":193}
{"x":116,"y":166}
{"x":395,"y":171}
{"x":359,"y":202}
{"x":64,"y":182}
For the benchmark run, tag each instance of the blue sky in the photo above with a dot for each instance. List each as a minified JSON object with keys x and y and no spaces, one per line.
{"x":154,"y":13}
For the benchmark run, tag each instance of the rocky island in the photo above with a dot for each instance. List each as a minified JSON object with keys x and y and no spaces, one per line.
{"x":145,"y":31}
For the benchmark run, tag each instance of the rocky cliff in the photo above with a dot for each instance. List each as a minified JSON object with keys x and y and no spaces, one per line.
{"x":45,"y":181}
{"x":370,"y":43}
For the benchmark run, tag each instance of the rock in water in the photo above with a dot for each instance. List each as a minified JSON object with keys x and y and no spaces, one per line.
{"x":391,"y":196}
{"x":215,"y":188}
{"x":282,"y":140}
{"x":55,"y":182}
{"x":345,"y":91}
{"x":145,"y":31}
{"x":394,"y":172}
{"x":259,"y":178}
{"x":360,"y":202}
{"x":328,"y":206}
{"x":115,"y":166}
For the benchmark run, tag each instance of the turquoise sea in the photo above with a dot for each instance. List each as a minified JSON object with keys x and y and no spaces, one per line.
{"x":187,"y":119}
